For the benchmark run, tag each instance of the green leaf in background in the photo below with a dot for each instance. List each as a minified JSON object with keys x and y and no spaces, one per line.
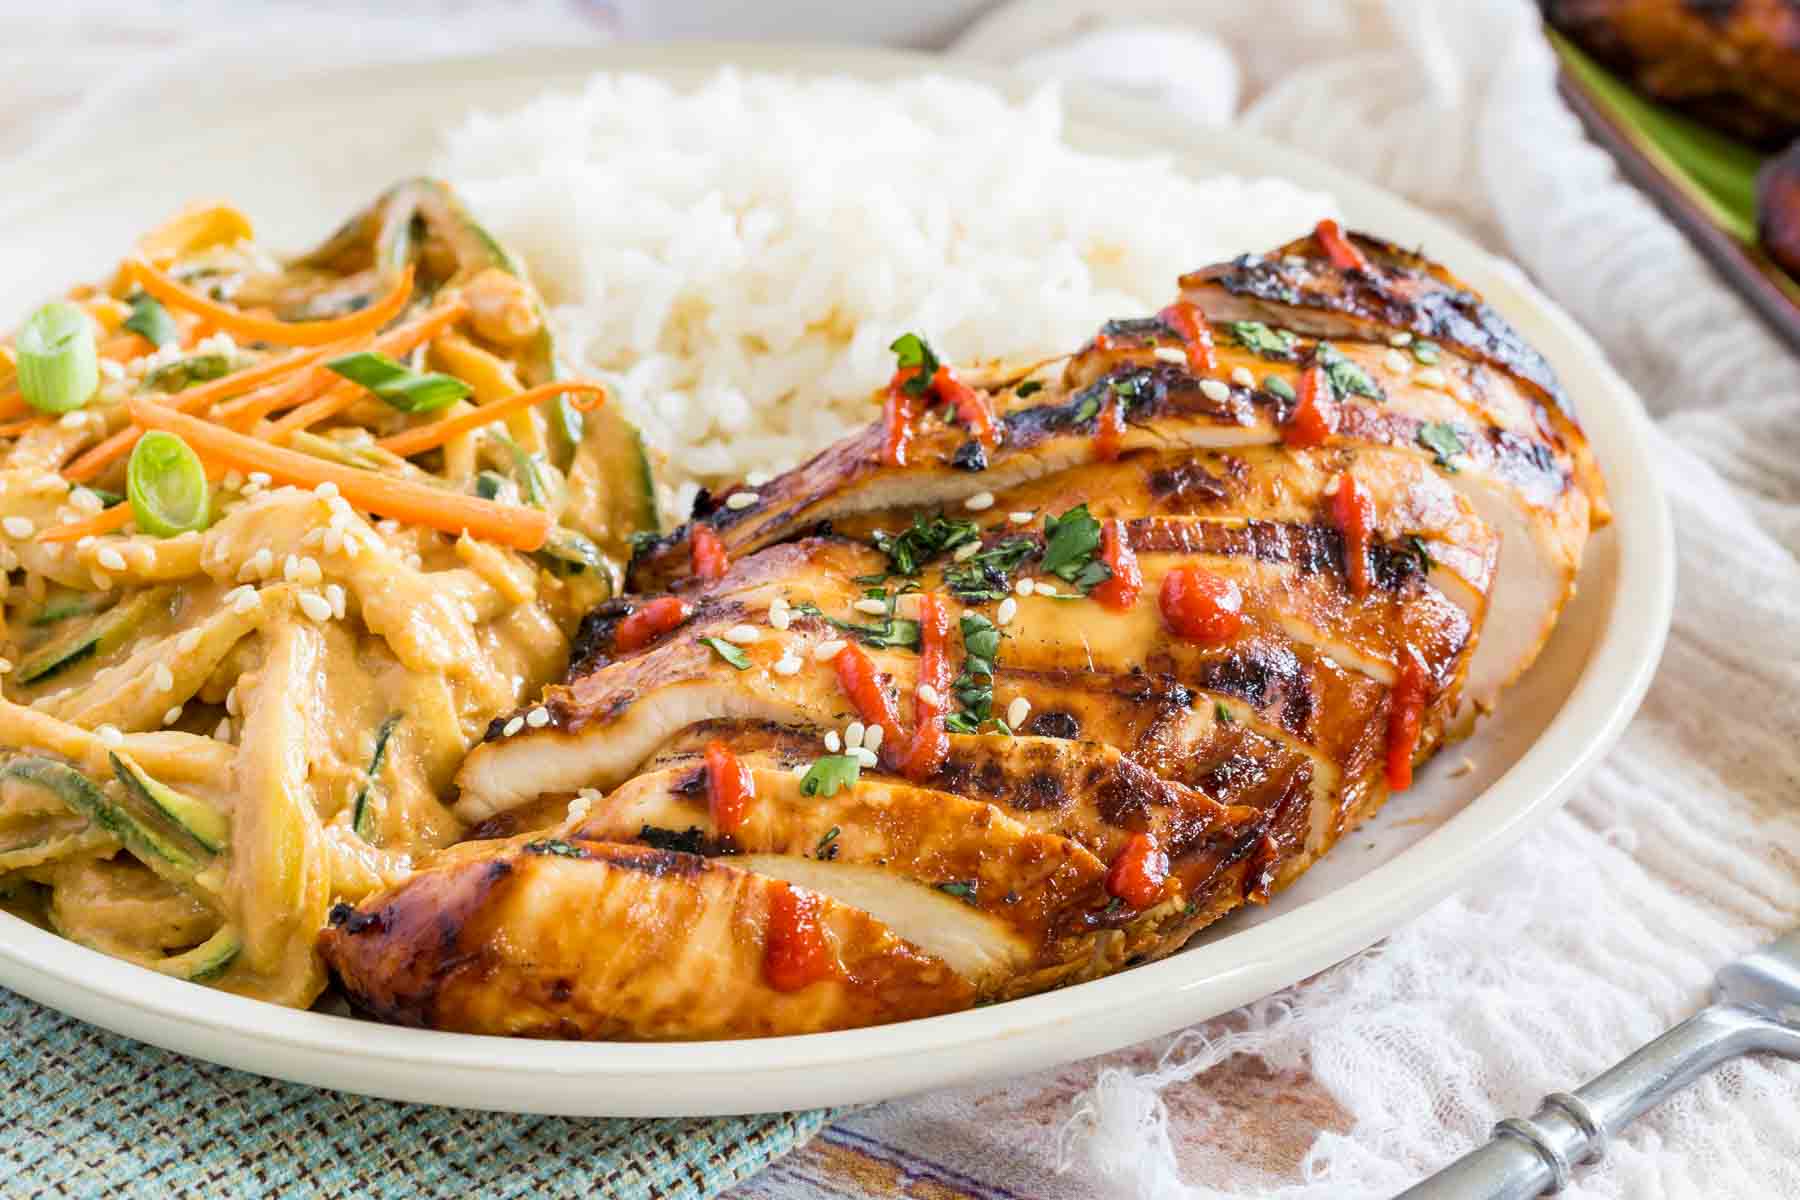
{"x":1720,"y":173}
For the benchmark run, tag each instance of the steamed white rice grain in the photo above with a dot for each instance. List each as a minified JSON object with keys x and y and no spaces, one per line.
{"x":736,"y":259}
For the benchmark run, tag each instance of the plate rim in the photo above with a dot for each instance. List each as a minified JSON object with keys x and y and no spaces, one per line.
{"x":695,"y":1078}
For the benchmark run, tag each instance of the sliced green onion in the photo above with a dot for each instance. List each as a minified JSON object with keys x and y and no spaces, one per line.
{"x":167,"y":486}
{"x":59,"y":367}
{"x":408,"y":390}
{"x":152,"y":321}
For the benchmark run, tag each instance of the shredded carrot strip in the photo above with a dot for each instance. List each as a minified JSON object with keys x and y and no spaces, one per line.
{"x":414,"y":503}
{"x":426,"y":437}
{"x":15,"y":428}
{"x":396,"y":341}
{"x":244,"y":326}
{"x":105,"y":521}
{"x":125,"y":347}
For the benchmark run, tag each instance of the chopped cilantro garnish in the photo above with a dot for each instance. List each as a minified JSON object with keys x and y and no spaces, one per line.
{"x":1029,"y":387}
{"x":1277,"y":386}
{"x":1223,"y":714}
{"x":897,"y":632}
{"x":959,"y":889}
{"x":1070,"y":543}
{"x":1258,"y":338}
{"x":1441,"y":439}
{"x":911,"y":350}
{"x":827,"y":847}
{"x":687,"y":841}
{"x":986,"y":576}
{"x":1425,"y":352}
{"x":555,"y":847}
{"x":828,"y":775}
{"x":1088,"y":409}
{"x":1346,"y":377}
{"x":974,"y":688}
{"x":730,"y":653}
{"x":1416,"y":545}
{"x":925,"y":539}
{"x":152,"y":321}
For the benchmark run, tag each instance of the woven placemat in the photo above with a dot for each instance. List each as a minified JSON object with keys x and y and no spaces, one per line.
{"x":84,"y":1112}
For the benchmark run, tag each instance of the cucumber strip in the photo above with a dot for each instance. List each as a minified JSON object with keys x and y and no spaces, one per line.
{"x":206,"y":961}
{"x":204,"y":823}
{"x":362,"y":813}
{"x":162,"y":854}
{"x":35,"y":853}
{"x":64,"y":603}
{"x":101,"y":636}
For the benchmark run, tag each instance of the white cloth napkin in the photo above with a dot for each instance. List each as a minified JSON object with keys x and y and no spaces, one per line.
{"x":1604,"y":928}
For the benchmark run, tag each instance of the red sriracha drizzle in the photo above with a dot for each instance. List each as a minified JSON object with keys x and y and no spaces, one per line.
{"x":1338,"y":248}
{"x":930,"y":744}
{"x":1109,"y":430}
{"x":1406,"y":711}
{"x":1315,"y":415}
{"x":1138,"y":872}
{"x":1189,"y":324}
{"x":856,"y":675}
{"x":650,"y":622}
{"x":794,"y":950}
{"x":1354,"y":515}
{"x":1200,"y":606}
{"x":729,"y":787}
{"x":708,"y":553}
{"x":1121,"y":591}
{"x":971,"y":409}
{"x":897,"y":417}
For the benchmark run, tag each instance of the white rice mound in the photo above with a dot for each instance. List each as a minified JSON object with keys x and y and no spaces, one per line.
{"x":737,"y":258}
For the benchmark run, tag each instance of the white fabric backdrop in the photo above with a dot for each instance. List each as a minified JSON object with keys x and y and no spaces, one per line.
{"x":1683,"y":851}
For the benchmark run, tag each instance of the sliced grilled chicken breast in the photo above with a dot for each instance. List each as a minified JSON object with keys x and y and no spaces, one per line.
{"x":572,"y":939}
{"x":1027,"y":682}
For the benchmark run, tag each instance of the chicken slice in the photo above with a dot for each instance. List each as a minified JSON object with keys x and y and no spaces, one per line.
{"x":579,"y":939}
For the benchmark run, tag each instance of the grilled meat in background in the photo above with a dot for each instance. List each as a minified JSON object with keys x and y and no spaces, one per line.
{"x":1732,"y":64}
{"x":1023,"y":683}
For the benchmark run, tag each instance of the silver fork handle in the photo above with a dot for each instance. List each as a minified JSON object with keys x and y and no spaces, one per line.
{"x":1537,"y":1155}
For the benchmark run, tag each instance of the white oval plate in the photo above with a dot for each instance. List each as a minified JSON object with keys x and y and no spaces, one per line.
{"x":296,"y":151}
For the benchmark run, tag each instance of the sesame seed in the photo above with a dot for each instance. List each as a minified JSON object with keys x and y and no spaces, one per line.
{"x":252,"y":489}
{"x":87,"y":500}
{"x":864,"y":755}
{"x":1022,"y":517}
{"x":872,"y":606}
{"x":1169,"y":354}
{"x":238,"y":593}
{"x":263,"y":562}
{"x":162,"y":679}
{"x":1331,"y":486}
{"x":1023,"y":587}
{"x":102,"y":581}
{"x":172,"y":716}
{"x":853,"y":733}
{"x":979,"y":501}
{"x":1430,"y":377}
{"x":742,"y":635}
{"x":739,"y":501}
{"x":49,"y":482}
{"x":872,"y":738}
{"x":233,"y":480}
{"x":315,"y":606}
{"x":85,"y":542}
{"x":1009,"y":608}
{"x":18,"y":527}
{"x":109,"y":734}
{"x":1017,"y":711}
{"x":780,"y":616}
{"x":259,"y":478}
{"x":538,"y":717}
{"x":110,"y":558}
{"x":1243,"y":377}
{"x":223,"y":731}
{"x":73,"y":420}
{"x":332,"y":540}
{"x":1041,"y":588}
{"x":787,"y":664}
{"x":1402,"y":338}
{"x":757,"y":478}
{"x":324,"y":491}
{"x":1215,"y":390}
{"x":334,"y":596}
{"x":800,"y":770}
{"x":828,"y":650}
{"x":513,"y":726}
{"x":833,"y":742}
{"x":966,"y":551}
{"x":1395,"y":361}
{"x":112,"y":370}
{"x":928,"y":694}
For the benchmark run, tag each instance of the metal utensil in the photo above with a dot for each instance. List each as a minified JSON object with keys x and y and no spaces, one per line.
{"x":1756,"y":1009}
